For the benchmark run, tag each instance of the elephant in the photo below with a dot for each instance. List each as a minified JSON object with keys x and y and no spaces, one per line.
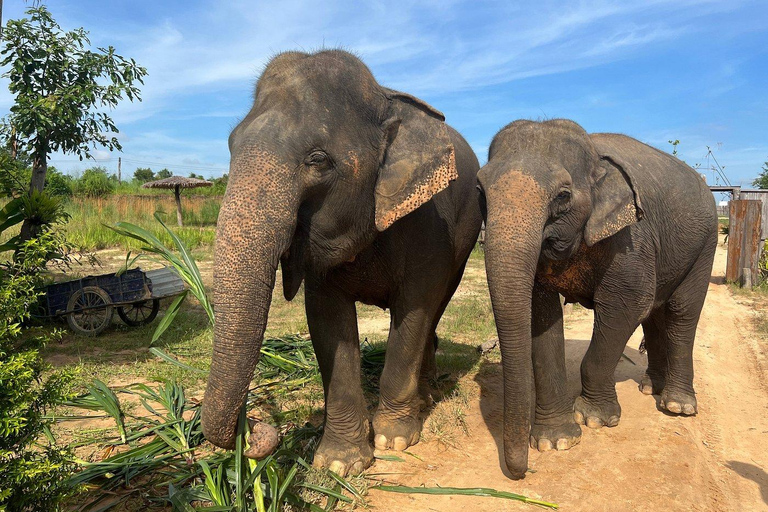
{"x":608,"y":222}
{"x":364,"y":194}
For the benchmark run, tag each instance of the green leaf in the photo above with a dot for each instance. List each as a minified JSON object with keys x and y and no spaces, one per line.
{"x":170,"y":314}
{"x":162,"y":355}
{"x":462,"y":491}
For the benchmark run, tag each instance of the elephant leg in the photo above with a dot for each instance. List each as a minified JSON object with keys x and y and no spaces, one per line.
{"x":332,"y":319}
{"x":682,"y":313}
{"x":553,"y":426}
{"x":428,"y":372}
{"x":598,"y":406}
{"x":396,"y":424}
{"x":654,"y":330}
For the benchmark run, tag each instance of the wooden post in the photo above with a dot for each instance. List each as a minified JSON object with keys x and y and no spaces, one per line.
{"x":743,"y":240}
{"x":177,"y":193}
{"x":119,"y":169}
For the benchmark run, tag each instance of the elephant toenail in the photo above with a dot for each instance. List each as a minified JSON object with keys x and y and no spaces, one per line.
{"x":380,"y":442}
{"x":612,"y":421}
{"x":689,"y":409}
{"x":562,"y":444}
{"x":534,"y":444}
{"x":578,"y":418}
{"x":338,"y":467}
{"x":674,"y":407}
{"x":399,"y":444}
{"x":545,"y":445}
{"x":319,"y":461}
{"x":356,"y":468}
{"x":593,"y":422}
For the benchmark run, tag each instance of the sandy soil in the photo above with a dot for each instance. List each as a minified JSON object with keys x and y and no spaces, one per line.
{"x":651,"y":461}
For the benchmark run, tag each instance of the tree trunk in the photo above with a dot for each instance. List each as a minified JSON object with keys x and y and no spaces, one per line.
{"x":177,"y":193}
{"x":39,"y":170}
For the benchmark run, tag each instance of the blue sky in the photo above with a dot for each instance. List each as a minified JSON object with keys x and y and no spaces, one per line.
{"x":692,"y":70}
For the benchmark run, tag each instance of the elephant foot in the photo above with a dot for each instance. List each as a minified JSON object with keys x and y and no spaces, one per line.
{"x":343,"y":457}
{"x":595,"y":414}
{"x":395,"y":433}
{"x":555,"y":437}
{"x":678,"y":402}
{"x":425,"y":394}
{"x":652,"y":384}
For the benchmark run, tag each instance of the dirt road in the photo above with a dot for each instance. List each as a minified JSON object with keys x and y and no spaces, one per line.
{"x":651,"y":461}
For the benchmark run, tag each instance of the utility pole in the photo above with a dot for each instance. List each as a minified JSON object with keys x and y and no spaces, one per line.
{"x":119,"y":162}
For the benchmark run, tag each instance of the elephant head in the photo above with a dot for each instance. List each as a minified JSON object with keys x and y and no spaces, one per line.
{"x":325,"y":159}
{"x":548,"y":191}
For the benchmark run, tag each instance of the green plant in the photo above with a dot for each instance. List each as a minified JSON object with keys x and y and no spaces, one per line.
{"x":94,"y":182}
{"x":143,"y":174}
{"x":162,"y":174}
{"x":58,"y":184}
{"x":34,"y":469}
{"x":762,"y":179}
{"x":183,"y":263}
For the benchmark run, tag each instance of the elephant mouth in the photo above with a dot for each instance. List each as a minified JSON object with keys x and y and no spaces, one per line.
{"x":556,"y":248}
{"x":292,"y":264}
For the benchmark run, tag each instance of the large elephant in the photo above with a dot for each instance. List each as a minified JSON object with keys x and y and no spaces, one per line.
{"x":614,"y":225}
{"x":365,"y":194}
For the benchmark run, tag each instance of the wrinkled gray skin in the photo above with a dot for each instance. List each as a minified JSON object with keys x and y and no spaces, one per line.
{"x":615,"y":225}
{"x":365,"y":194}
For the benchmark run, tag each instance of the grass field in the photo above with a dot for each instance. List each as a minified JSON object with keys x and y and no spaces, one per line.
{"x":87,"y":227}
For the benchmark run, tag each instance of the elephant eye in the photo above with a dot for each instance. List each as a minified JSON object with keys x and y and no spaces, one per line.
{"x":564,"y":195}
{"x":316,"y":158}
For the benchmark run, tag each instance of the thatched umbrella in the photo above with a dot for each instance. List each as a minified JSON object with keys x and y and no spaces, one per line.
{"x":177,"y":183}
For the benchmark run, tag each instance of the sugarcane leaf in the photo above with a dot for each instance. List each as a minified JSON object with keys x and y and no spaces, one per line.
{"x":462,"y":491}
{"x":170,"y":314}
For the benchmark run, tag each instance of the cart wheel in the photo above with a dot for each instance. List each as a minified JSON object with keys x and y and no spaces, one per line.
{"x":139,"y":313}
{"x":91,"y":311}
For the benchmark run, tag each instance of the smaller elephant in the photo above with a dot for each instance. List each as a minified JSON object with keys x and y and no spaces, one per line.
{"x":614,"y":225}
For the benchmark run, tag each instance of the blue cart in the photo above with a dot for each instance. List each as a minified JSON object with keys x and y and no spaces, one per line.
{"x":89,"y":303}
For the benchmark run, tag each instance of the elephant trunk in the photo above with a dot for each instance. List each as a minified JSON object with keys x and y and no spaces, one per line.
{"x":255,"y":227}
{"x":513,"y":244}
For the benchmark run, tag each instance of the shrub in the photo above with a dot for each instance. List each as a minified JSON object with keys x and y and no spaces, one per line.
{"x":58,"y":184}
{"x":34,"y":471}
{"x":95,"y":182}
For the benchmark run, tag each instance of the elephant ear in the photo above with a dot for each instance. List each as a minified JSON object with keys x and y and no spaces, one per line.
{"x":615,"y":199}
{"x":417,"y":158}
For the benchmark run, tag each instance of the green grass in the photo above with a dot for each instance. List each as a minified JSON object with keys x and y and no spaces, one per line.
{"x":88,"y":226}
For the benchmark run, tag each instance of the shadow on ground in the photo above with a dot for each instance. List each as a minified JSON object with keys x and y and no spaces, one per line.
{"x":490,"y":380}
{"x":754,"y":473}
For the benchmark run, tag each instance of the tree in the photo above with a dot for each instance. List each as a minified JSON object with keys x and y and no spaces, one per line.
{"x":143,"y":174}
{"x":762,"y":180}
{"x":196,"y":176}
{"x":59,"y":85}
{"x":163,"y":173}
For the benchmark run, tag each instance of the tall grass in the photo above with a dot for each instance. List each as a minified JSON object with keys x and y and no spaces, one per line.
{"x":87,"y":227}
{"x":133,"y":187}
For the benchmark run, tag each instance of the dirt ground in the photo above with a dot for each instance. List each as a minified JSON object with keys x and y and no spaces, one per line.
{"x":651,"y":461}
